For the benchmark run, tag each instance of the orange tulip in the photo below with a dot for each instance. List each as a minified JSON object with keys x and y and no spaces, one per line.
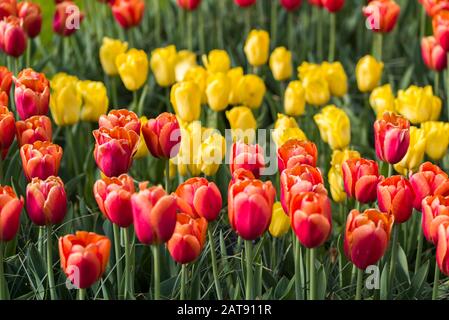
{"x":162,"y":136}
{"x":295,"y":152}
{"x":10,"y":209}
{"x":442,"y":253}
{"x":40,"y":159}
{"x":128,"y":13}
{"x":382,"y":15}
{"x":8,"y":8}
{"x":435,"y":211}
{"x":36,"y":128}
{"x":6,"y":130}
{"x":120,"y":118}
{"x":5,"y":79}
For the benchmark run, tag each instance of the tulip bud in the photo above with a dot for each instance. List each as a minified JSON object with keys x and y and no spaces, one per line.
{"x":40,"y":159}
{"x":335,"y":175}
{"x":65,"y":100}
{"x":84,"y":257}
{"x":189,"y":4}
{"x":360,"y":178}
{"x":366,"y":237}
{"x":120,"y":118}
{"x":368,"y":73}
{"x":13,"y":39}
{"x":162,"y":136}
{"x":435,"y":212}
{"x":67,"y":18}
{"x":295,"y":152}
{"x":128,"y":13}
{"x":334,"y":126}
{"x":291,"y":5}
{"x":257,"y":47}
{"x":418,"y":104}
{"x":244,"y":3}
{"x":415,"y":153}
{"x":295,"y":99}
{"x":217,"y":61}
{"x":281,"y":64}
{"x":36,"y":128}
{"x":243,"y":123}
{"x":440,"y":23}
{"x":186,"y":100}
{"x":133,"y":68}
{"x":251,"y":91}
{"x":162,"y":62}
{"x":286,"y":128}
{"x":218,"y":91}
{"x":8,"y":8}
{"x":381,"y":15}
{"x":10,"y":209}
{"x":333,"y":5}
{"x":442,"y":253}
{"x":95,"y":99}
{"x":109,"y":51}
{"x":382,"y":100}
{"x":32,"y":93}
{"x":280,"y":221}
{"x":433,"y":54}
{"x":31,"y":15}
{"x":247,"y":156}
{"x":7,"y":131}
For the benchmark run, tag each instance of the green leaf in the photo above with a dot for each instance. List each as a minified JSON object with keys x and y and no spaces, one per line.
{"x":403,"y":264}
{"x":322,"y":283}
{"x":384,"y":282}
{"x":405,"y":81}
{"x":418,"y":279}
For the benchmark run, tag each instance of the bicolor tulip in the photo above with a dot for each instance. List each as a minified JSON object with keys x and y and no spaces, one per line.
{"x":120,"y":118}
{"x":36,"y":128}
{"x":95,"y":99}
{"x":128,"y":13}
{"x":435,"y":212}
{"x":418,"y":104}
{"x":281,"y":64}
{"x":163,"y":62}
{"x":334,"y":126}
{"x":382,"y":100}
{"x":8,"y":8}
{"x":437,"y":137}
{"x":286,"y":128}
{"x":65,"y":99}
{"x":295,"y":99}
{"x":368,"y":73}
{"x":67,"y":18}
{"x":84,"y":257}
{"x":41,"y":159}
{"x":217,"y":61}
{"x":381,"y":15}
{"x":133,"y":68}
{"x":442,"y":253}
{"x":280,"y":221}
{"x":335,"y":175}
{"x":243,"y":123}
{"x":360,"y":177}
{"x":7,"y":131}
{"x":31,"y":15}
{"x":162,"y":136}
{"x":440,"y":23}
{"x":415,"y":153}
{"x":247,"y":156}
{"x":189,"y":4}
{"x":13,"y":39}
{"x":366,"y":236}
{"x":433,"y":54}
{"x":257,"y":47}
{"x":291,"y":5}
{"x":109,"y":51}
{"x":333,"y":5}
{"x":10,"y":209}
{"x":295,"y":152}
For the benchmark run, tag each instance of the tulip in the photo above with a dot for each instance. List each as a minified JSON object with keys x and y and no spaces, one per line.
{"x":247,"y":156}
{"x":368,"y":73}
{"x":333,"y":5}
{"x":142,"y":149}
{"x":392,"y":137}
{"x":109,"y":51}
{"x":335,"y":175}
{"x":7,"y":131}
{"x":286,"y":128}
{"x":8,"y":8}
{"x":435,"y":212}
{"x":235,"y":75}
{"x":188,"y":160}
{"x":250,"y":204}
{"x":10,"y":209}
{"x":189,"y":4}
{"x":46,"y":201}
{"x":395,"y":196}
{"x":213,"y":150}
{"x":218,"y":91}
{"x":437,"y":137}
{"x":3,"y":99}
{"x":251,"y":91}
{"x":188,"y":239}
{"x":203,"y":197}
{"x":442,"y":249}
{"x":40,"y":159}
{"x":132,"y":67}
{"x":299,"y":179}
{"x":95,"y":99}
{"x":217,"y":61}
{"x":281,"y":64}
{"x":84,"y":257}
{"x":184,"y":62}
{"x":316,"y":87}
{"x":418,"y":104}
{"x":334,"y":126}
{"x":257,"y":47}
{"x":243,"y":123}
{"x":295,"y":152}
{"x":295,"y":99}
{"x":13,"y":39}
{"x":32,"y":93}
{"x":415,"y":153}
{"x":5,"y":79}
{"x":67,"y":18}
{"x":162,"y":62}
{"x":36,"y":128}
{"x":128,"y":13}
{"x":113,"y":196}
{"x":336,"y":77}
{"x":432,"y":7}
{"x":311,"y":217}
{"x":65,"y":100}
{"x":440,"y":23}
{"x":199,"y":76}
{"x":381,"y":15}
{"x":31,"y":16}
{"x":307,"y":69}
{"x":433,"y":54}
{"x":360,"y":177}
{"x":244,"y":3}
{"x":382,"y":100}
{"x":291,"y":5}
{"x":280,"y":221}
{"x":162,"y":136}
{"x":120,"y":118}
{"x":186,"y":100}
{"x":366,"y":236}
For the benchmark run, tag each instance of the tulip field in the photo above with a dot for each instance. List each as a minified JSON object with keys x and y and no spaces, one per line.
{"x":224,"y":150}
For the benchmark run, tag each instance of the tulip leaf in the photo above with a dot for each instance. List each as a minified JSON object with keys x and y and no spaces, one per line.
{"x":418,"y":279}
{"x":403,"y":264}
{"x":405,"y":81}
{"x":322,"y":283}
{"x":384,"y":282}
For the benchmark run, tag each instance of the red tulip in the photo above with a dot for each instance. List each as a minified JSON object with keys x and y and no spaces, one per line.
{"x":392,"y":137}
{"x":13,"y":39}
{"x":440,"y":23}
{"x":5,"y":79}
{"x":291,"y":5}
{"x":360,"y":177}
{"x":188,"y":238}
{"x":3,"y":99}
{"x":32,"y":93}
{"x":247,"y":156}
{"x":244,"y":3}
{"x":301,"y":178}
{"x":40,"y":159}
{"x":189,"y":4}
{"x":10,"y":209}
{"x":113,"y":196}
{"x":84,"y":257}
{"x":67,"y":18}
{"x":318,"y":3}
{"x":241,"y":174}
{"x":203,"y":197}
{"x":31,"y":15}
{"x":250,"y":204}
{"x":333,"y":5}
{"x":366,"y":236}
{"x":128,"y":13}
{"x":162,"y":136}
{"x":114,"y":150}
{"x":429,"y":180}
{"x":434,"y":6}
{"x":36,"y":128}
{"x":154,"y":214}
{"x":443,"y":249}
{"x":46,"y":201}
{"x":311,"y":217}
{"x":395,"y":196}
{"x":295,"y":152}
{"x":120,"y":118}
{"x":435,"y":211}
{"x":7,"y":129}
{"x":8,"y":8}
{"x":433,"y":54}
{"x":381,"y":15}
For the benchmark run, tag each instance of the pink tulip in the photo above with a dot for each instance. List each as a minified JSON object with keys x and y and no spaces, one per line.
{"x":13,"y":39}
{"x":433,"y":54}
{"x":360,"y":178}
{"x":247,"y":156}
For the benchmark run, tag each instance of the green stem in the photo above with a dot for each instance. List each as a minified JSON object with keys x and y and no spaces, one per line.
{"x":377,"y":45}
{"x":201,"y":30}
{"x":51,"y":278}
{"x":167,"y":176}
{"x":118,"y":263}
{"x":291,"y":32}
{"x":157,"y":21}
{"x":274,"y":23}
{"x":422,"y":23}
{"x":394,"y":246}
{"x":114,"y":92}
{"x":261,"y":14}
{"x":190,"y":30}
{"x":214,"y":264}
{"x":332,"y":34}
{"x":436,"y":82}
{"x":319,"y":34}
{"x":312,"y":274}
{"x":127,"y":262}
{"x":135,"y":102}
{"x":419,"y":248}
{"x":358,"y":293}
{"x":247,"y":20}
{"x":157,"y":271}
{"x":183,"y":282}
{"x":436,"y":282}
{"x":390,"y":170}
{"x":249,"y":294}
{"x":28,"y":55}
{"x":3,"y":283}
{"x":81,"y":294}
{"x":298,"y":275}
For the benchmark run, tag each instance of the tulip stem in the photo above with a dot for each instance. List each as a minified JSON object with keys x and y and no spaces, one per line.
{"x":390,"y":169}
{"x":2,"y":273}
{"x":190,"y":30}
{"x":358,"y":292}
{"x":274,"y":23}
{"x":167,"y":176}
{"x":127,"y":262}
{"x":419,"y":249}
{"x":247,"y":20}
{"x":332,"y":34}
{"x":183,"y":282}
{"x":249,"y":270}
{"x":436,"y":82}
{"x":394,"y":246}
{"x":157,"y":271}
{"x":436,"y":282}
{"x":51,"y":278}
{"x":114,"y":92}
{"x":298,"y":277}
{"x":157,"y":21}
{"x":377,"y":45}
{"x":118,"y":263}
{"x":291,"y":32}
{"x":214,"y":264}
{"x":81,"y":294}
{"x":319,"y":32}
{"x":422,"y":24}
{"x":312,"y":276}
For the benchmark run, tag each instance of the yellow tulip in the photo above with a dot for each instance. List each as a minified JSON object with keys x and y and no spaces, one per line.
{"x":243,"y":124}
{"x":437,"y":137}
{"x":368,"y":73}
{"x":109,"y":51}
{"x":286,"y":128}
{"x":382,"y":100}
{"x":335,"y":127}
{"x":65,"y":99}
{"x":280,"y":222}
{"x":188,"y":159}
{"x":295,"y":99}
{"x":335,"y":175}
{"x":217,"y":61}
{"x":257,"y":47}
{"x":186,"y":100}
{"x":218,"y":91}
{"x":95,"y":99}
{"x":415,"y":154}
{"x":163,"y":61}
{"x":336,"y":78}
{"x":251,"y":91}
{"x":185,"y":60}
{"x":198,"y":75}
{"x":133,"y":68}
{"x":281,"y":64}
{"x":234,"y":75}
{"x":418,"y":104}
{"x":307,"y":68}
{"x":142,"y":149}
{"x":316,"y":89}
{"x":213,"y":151}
